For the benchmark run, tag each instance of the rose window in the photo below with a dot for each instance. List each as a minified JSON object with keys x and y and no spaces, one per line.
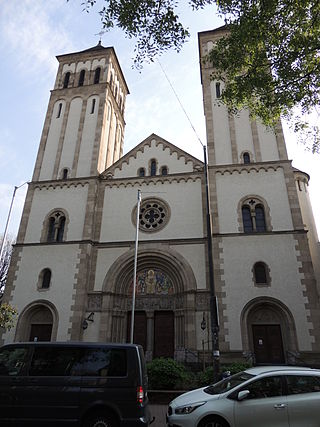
{"x":154,"y":214}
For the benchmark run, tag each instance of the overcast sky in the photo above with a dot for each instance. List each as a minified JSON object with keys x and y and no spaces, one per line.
{"x":33,"y":32}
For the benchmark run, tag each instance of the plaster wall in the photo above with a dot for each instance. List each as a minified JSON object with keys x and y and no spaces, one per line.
{"x":270,"y":185}
{"x":71,"y":135}
{"x":185,"y":203}
{"x":106,"y":258}
{"x":72,"y":200}
{"x":278,"y":252}
{"x":268,"y":143}
{"x":88,"y":137}
{"x":52,"y":142}
{"x":63,"y":266}
{"x":243,"y":132}
{"x":196,"y":257}
{"x":161,"y":154}
{"x":221,"y":131}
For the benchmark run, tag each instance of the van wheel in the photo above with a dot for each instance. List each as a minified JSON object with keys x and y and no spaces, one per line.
{"x":100,"y":419}
{"x":213,"y":422}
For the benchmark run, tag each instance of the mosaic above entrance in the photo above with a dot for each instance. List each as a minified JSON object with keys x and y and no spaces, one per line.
{"x":153,"y":282}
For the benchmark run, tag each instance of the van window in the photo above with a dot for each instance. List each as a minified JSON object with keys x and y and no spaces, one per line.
{"x":101,"y":362}
{"x":50,"y":361}
{"x":12,"y":360}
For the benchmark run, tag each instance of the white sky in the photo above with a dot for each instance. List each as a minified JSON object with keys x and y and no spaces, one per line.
{"x":32,"y":33}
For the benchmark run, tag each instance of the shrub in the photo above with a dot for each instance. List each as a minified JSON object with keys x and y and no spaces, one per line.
{"x":167,"y":374}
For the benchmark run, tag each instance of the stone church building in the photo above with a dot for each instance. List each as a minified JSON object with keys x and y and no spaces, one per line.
{"x":71,"y":275}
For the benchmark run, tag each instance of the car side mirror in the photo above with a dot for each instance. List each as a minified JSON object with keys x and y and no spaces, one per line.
{"x":243,"y":394}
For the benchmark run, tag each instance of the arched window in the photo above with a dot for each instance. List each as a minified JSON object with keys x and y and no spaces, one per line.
{"x":260,"y":272}
{"x":142,"y":172}
{"x":116,"y":92}
{"x":218,"y":90}
{"x":59,"y":110}
{"x":56,"y":226}
{"x":253,"y":216}
{"x":247,"y":219}
{"x":246,"y":158}
{"x":65,"y":173}
{"x":153,"y":167}
{"x":81,"y":77}
{"x":92,"y":106}
{"x":164,"y":170}
{"x":45,"y":278}
{"x":97,"y":75}
{"x":260,"y":219}
{"x":111,"y":80}
{"x":66,"y":80}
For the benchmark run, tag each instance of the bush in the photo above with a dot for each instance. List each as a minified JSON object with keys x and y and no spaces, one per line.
{"x":205,"y":378}
{"x":167,"y":374}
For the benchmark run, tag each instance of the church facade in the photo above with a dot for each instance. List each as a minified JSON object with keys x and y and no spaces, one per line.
{"x":71,"y":275}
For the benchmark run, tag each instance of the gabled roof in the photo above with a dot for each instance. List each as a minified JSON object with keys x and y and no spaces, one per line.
{"x":197,"y":164}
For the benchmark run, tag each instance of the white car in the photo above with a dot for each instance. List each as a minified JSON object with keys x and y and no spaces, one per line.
{"x":268,"y":396}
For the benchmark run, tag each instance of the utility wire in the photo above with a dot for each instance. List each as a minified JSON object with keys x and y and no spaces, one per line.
{"x":182,"y":107}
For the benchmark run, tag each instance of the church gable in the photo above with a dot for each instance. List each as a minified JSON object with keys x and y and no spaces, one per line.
{"x":153,"y":156}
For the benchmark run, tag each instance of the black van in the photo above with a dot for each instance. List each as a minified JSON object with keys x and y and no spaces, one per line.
{"x":74,"y":384}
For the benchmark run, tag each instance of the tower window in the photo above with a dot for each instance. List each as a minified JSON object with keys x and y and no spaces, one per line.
{"x":65,"y":173}
{"x":59,"y":110}
{"x":142,"y":172}
{"x":116,"y":92}
{"x":153,"y":168}
{"x":81,"y":77}
{"x":253,"y":217}
{"x":260,"y":271}
{"x":92,"y":106}
{"x":246,"y":158}
{"x":45,"y":278}
{"x":164,"y":170}
{"x":97,"y":75}
{"x":56,"y":226}
{"x":218,"y":90}
{"x":66,"y":80}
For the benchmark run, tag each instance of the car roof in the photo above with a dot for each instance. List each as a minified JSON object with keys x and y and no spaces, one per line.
{"x":70,"y":344}
{"x":258,"y":370}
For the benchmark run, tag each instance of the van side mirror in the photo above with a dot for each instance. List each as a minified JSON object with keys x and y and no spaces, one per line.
{"x":243,"y":394}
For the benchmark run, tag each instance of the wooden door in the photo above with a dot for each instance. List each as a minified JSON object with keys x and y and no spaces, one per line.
{"x":163,"y":334}
{"x":40,"y":332}
{"x":267,"y":343}
{"x":140,"y":328}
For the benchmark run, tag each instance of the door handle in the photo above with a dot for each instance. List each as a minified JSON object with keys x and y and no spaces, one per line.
{"x":280,"y":406}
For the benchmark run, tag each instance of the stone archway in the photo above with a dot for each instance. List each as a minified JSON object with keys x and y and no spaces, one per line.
{"x":268,"y":332}
{"x":37,"y":322}
{"x":166,"y":286}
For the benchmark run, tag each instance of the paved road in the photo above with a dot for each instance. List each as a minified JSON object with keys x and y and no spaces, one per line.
{"x":159,"y":411}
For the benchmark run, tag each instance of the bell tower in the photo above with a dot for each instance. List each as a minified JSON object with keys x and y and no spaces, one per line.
{"x":84,"y":126}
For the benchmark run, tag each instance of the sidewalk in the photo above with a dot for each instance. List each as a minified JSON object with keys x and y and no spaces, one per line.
{"x":159,"y":412}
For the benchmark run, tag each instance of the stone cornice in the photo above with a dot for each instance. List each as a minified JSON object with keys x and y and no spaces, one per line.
{"x":251,"y":167}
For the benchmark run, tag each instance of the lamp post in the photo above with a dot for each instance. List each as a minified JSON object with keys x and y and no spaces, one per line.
{"x":8,"y":218}
{"x":135,"y":268}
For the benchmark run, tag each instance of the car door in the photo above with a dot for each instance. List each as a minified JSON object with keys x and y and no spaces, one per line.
{"x":265,"y":405}
{"x":12,"y":365}
{"x":303,"y":400}
{"x":50,"y":393}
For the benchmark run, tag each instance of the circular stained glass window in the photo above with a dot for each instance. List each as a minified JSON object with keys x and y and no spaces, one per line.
{"x":154,"y":214}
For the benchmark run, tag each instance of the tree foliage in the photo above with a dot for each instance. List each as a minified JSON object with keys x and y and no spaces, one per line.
{"x":269,"y":60}
{"x":7,"y":312}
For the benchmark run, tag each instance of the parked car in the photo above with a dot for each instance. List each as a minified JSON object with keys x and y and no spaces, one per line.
{"x":266,"y":396}
{"x":78,"y":384}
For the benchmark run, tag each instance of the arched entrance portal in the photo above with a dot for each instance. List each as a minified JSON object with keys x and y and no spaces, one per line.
{"x":268,"y":331}
{"x":165,"y":303}
{"x":37,"y":322}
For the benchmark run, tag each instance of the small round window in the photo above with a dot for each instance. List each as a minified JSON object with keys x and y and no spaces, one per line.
{"x":154,"y":215}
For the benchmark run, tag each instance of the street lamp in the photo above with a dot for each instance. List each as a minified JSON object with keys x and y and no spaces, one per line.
{"x":8,"y":218}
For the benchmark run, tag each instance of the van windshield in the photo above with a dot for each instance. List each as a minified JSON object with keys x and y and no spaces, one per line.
{"x":228,"y":383}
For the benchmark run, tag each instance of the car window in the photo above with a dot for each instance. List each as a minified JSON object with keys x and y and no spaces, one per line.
{"x":102,"y":363}
{"x":303,"y":384}
{"x":50,"y":361}
{"x":228,"y":383}
{"x":265,"y":387}
{"x":12,"y":360}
